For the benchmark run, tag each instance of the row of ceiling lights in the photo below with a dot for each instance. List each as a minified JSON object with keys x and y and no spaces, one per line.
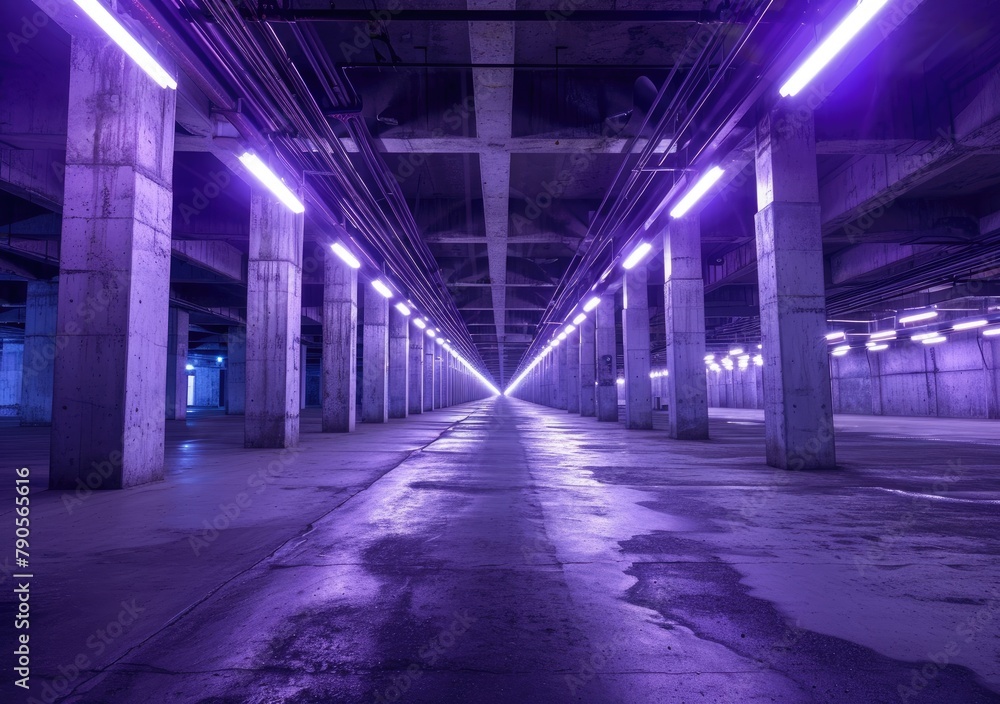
{"x":809,"y":69}
{"x":107,"y":22}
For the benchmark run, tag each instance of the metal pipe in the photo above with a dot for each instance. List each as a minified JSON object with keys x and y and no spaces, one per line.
{"x":465,"y":15}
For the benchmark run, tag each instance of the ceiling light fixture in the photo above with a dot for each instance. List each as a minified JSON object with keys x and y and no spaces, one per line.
{"x":274,"y":184}
{"x":831,"y":46}
{"x":696,"y":193}
{"x":129,"y":44}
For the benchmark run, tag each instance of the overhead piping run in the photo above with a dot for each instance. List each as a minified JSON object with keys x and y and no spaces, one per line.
{"x":465,"y":16}
{"x":271,"y":83}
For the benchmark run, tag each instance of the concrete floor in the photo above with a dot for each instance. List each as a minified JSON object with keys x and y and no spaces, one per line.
{"x":505,"y":552}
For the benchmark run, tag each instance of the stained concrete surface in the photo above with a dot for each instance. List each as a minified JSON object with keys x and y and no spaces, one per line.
{"x":505,"y":552}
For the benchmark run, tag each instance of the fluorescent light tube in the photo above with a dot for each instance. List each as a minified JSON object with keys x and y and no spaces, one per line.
{"x":419,"y":323}
{"x":402,"y":308}
{"x":925,"y":315}
{"x":106,"y":21}
{"x":381,"y":288}
{"x":696,"y":193}
{"x":591,"y":304}
{"x":274,"y":184}
{"x":835,"y":336}
{"x":342,"y":252}
{"x":579,"y":319}
{"x":884,"y":335}
{"x":934,"y":340}
{"x":832,"y":45}
{"x":637,"y":255}
{"x":969,"y":325}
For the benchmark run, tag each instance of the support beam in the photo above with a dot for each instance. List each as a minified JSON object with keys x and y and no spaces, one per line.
{"x":340,"y":346}
{"x":416,"y":381}
{"x":635,"y":333}
{"x":607,"y":360}
{"x":178,"y":324}
{"x":798,"y":406}
{"x":236,"y":370}
{"x":430,"y":374}
{"x":684,"y":305}
{"x":274,"y":317}
{"x":114,"y":274}
{"x":399,"y":364}
{"x":572,"y":372}
{"x":375,"y":362}
{"x":588,"y":369}
{"x":559,"y":358}
{"x":39,"y":352}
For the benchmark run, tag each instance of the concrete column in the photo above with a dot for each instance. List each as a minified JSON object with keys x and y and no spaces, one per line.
{"x":635,"y":335}
{"x":178,"y":325}
{"x":439,"y":398}
{"x":588,"y":369}
{"x":798,"y":405}
{"x":572,"y":372}
{"x":416,"y":393}
{"x":606,"y":393}
{"x":303,"y":363}
{"x":340,"y":346}
{"x":430,"y":374}
{"x":375,"y":358}
{"x":236,"y":370}
{"x":684,"y":302}
{"x":114,"y":273}
{"x":559,"y":376}
{"x":274,"y":321}
{"x":39,"y":352}
{"x":399,"y":364}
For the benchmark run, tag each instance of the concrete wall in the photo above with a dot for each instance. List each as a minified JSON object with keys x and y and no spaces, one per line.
{"x":207,"y":385}
{"x":956,"y":379}
{"x":11,"y":364}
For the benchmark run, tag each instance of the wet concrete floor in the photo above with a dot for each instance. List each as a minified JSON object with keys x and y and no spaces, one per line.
{"x":505,"y":552}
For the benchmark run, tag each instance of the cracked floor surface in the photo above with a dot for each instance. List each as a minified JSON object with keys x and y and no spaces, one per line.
{"x":505,"y":552}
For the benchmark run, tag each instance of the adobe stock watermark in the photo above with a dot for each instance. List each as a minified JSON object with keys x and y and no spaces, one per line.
{"x":428,"y":656}
{"x":229,"y":512}
{"x":33,"y":24}
{"x":201,"y":197}
{"x":97,"y":643}
{"x":967,"y":632}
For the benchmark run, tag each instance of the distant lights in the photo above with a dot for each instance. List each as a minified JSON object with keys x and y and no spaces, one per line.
{"x":991,"y":332}
{"x":696,"y":193}
{"x":924,"y":336}
{"x":970,"y":324}
{"x":401,"y":307}
{"x":189,"y":367}
{"x":834,"y":336}
{"x":883,"y":335}
{"x":430,"y":333}
{"x":916,"y":317}
{"x":419,"y":323}
{"x":440,"y":340}
{"x":620,"y":381}
{"x":562,"y":336}
{"x":274,"y":184}
{"x":934,"y":340}
{"x":736,"y":352}
{"x":877,"y":347}
{"x":637,"y":255}
{"x":569,"y":328}
{"x":709,"y":357}
{"x":381,"y":288}
{"x":342,"y":252}
{"x":834,"y":43}
{"x":555,"y":342}
{"x":591,"y":304}
{"x":579,"y":319}
{"x":758,"y":360}
{"x":219,"y":360}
